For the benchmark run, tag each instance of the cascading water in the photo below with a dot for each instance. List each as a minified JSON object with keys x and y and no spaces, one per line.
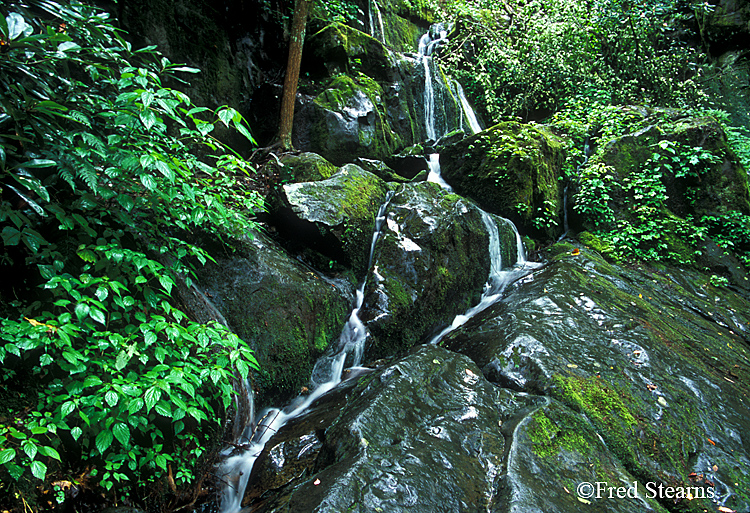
{"x":376,"y":21}
{"x":471,"y":118}
{"x":427,"y":44}
{"x":499,"y":277}
{"x":327,"y":373}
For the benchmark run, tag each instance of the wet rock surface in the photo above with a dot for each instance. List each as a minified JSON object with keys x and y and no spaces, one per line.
{"x":335,"y":216}
{"x":430,"y":433}
{"x":430,"y":264}
{"x":656,"y":359}
{"x":286,"y":311}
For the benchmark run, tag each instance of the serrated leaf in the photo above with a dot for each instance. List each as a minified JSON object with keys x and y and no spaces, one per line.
{"x":122,"y":433}
{"x":135,"y":405}
{"x":151,"y":397}
{"x":67,"y":408}
{"x":162,"y":408}
{"x":76,"y":433}
{"x":50,"y":452}
{"x":29,"y":448}
{"x":82,"y":311}
{"x":7,"y":455}
{"x":38,"y":469}
{"x":148,"y":182}
{"x":112,"y":398}
{"x":103,"y":441}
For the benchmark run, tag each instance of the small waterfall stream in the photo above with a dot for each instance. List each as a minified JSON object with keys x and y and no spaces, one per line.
{"x":327,"y":373}
{"x":328,"y":370}
{"x":375,"y":18}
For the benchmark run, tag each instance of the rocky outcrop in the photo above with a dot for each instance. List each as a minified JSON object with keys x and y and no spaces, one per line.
{"x":430,"y":433}
{"x":430,"y":264}
{"x":335,"y":217}
{"x":656,"y":360}
{"x":284,"y":310}
{"x":512,"y":170}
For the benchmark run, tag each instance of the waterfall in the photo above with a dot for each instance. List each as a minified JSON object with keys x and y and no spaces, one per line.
{"x":426,"y":46}
{"x":499,"y":277}
{"x":466,"y":109}
{"x":236,"y":469}
{"x":376,"y":29}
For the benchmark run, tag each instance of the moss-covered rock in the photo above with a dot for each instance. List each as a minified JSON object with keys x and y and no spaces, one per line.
{"x":430,"y":264}
{"x":512,"y":170}
{"x":335,"y":216}
{"x":305,"y":167}
{"x":286,"y":312}
{"x":347,"y":120}
{"x":655,"y":192}
{"x":656,"y":358}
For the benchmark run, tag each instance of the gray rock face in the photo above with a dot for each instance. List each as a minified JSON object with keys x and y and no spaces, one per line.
{"x":429,"y":433}
{"x":283,"y":309}
{"x":334,"y":216}
{"x":430,"y":264}
{"x":654,"y":359}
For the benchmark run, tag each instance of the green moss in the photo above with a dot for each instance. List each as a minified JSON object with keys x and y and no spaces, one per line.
{"x":548,"y":439}
{"x":595,"y":243}
{"x":513,"y":170}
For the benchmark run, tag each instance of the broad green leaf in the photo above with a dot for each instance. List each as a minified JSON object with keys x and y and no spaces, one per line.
{"x":7,"y":455}
{"x":30,"y":448}
{"x":67,"y":408}
{"x":16,"y":25}
{"x":148,"y":181}
{"x":135,"y":405}
{"x":82,"y":311}
{"x":103,"y":441}
{"x":50,"y":452}
{"x":122,"y":433}
{"x":98,"y":316}
{"x":11,"y":236}
{"x":162,"y":408}
{"x":111,"y":397}
{"x":68,"y":46}
{"x":151,"y":397}
{"x":76,"y":433}
{"x":38,"y":469}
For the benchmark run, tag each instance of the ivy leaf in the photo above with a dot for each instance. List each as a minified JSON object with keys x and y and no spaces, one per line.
{"x":103,"y":441}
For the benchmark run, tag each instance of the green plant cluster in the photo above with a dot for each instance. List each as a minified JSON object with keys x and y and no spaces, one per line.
{"x":532,"y":58}
{"x":107,"y":176}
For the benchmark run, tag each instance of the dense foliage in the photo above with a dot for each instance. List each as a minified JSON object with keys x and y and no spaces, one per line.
{"x":107,"y":175}
{"x":533,"y":58}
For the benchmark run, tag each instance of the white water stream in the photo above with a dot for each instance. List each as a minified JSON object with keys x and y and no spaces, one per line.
{"x":236,"y":468}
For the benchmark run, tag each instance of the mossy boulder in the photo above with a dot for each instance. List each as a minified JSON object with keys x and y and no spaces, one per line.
{"x":347,"y":120}
{"x":430,"y":264}
{"x":304,"y":167}
{"x":654,"y":193}
{"x":341,"y":49}
{"x":287,"y":312}
{"x":656,"y":359}
{"x":512,"y":170}
{"x":335,"y":217}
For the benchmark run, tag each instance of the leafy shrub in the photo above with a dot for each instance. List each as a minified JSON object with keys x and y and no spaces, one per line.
{"x":107,"y":176}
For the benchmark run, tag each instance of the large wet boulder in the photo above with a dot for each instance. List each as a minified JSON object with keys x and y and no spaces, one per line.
{"x":430,"y":433}
{"x":512,"y":170}
{"x":286,"y":311}
{"x":347,"y":120}
{"x":335,"y":216}
{"x":430,"y":264}
{"x":657,"y":359}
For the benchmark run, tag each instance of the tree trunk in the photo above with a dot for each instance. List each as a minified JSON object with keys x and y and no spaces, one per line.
{"x":292,"y":72}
